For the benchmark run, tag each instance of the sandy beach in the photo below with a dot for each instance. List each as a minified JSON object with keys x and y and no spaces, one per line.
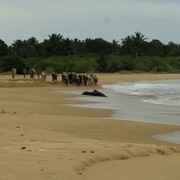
{"x":41,"y":138}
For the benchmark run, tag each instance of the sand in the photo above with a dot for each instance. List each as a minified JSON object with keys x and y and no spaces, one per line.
{"x":41,"y":138}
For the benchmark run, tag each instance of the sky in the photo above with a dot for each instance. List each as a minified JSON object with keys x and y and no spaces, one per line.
{"x":81,"y":19}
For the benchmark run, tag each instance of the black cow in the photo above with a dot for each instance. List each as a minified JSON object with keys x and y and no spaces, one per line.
{"x":54,"y":78}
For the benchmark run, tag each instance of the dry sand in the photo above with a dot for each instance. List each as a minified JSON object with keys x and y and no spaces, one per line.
{"x":40,"y":138}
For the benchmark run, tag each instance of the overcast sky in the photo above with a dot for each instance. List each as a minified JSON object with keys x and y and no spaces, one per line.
{"x":108,"y":19}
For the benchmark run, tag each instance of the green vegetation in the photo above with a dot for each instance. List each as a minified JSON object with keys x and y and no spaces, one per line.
{"x":57,"y":54}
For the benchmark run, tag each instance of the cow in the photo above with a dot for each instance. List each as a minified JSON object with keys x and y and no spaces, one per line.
{"x":13,"y":73}
{"x":32,"y":73}
{"x":54,"y":78}
{"x":94,"y":78}
{"x":65,"y":78}
{"x":24,"y":72}
{"x":43,"y":76}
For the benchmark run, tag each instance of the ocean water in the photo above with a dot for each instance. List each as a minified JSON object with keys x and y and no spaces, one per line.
{"x":166,"y":92}
{"x":142,"y":101}
{"x":148,"y":101}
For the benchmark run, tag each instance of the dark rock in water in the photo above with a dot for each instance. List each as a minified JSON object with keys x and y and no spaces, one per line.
{"x":23,"y":147}
{"x":94,"y":93}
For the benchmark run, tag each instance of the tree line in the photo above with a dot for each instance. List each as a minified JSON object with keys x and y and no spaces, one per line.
{"x":56,"y":53}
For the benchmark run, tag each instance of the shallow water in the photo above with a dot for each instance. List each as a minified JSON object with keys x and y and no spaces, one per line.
{"x":169,"y":137}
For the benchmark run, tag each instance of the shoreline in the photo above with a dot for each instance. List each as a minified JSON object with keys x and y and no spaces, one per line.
{"x":70,"y":98}
{"x":41,"y":138}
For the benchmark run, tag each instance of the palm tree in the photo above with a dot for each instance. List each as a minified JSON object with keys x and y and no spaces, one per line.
{"x":138,"y":42}
{"x":54,"y":44}
{"x":55,"y":38}
{"x":127,"y":45}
